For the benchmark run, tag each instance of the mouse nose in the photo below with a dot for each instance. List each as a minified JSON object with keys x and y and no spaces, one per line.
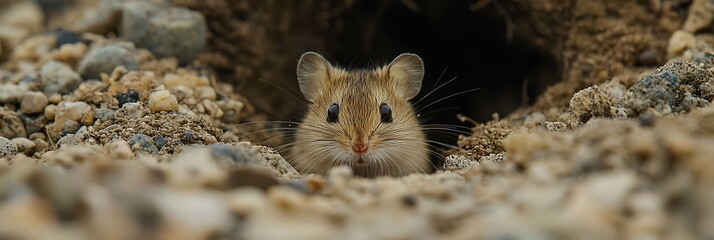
{"x":359,"y":148}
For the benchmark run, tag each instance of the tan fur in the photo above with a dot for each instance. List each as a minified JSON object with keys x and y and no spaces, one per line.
{"x":394,"y":149}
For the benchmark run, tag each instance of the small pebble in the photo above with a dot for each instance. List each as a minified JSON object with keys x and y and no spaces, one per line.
{"x":59,"y":78}
{"x":162,"y":100}
{"x":120,"y":149}
{"x":79,"y":112}
{"x":105,"y":114}
{"x":647,"y":57}
{"x":130,"y":96}
{"x":33,"y":102}
{"x":457,"y":162}
{"x":50,"y":111}
{"x":236,"y":155}
{"x":555,"y":126}
{"x":231,"y":110}
{"x":41,"y":145}
{"x":160,"y":141}
{"x":187,"y":136}
{"x":55,"y":98}
{"x":679,"y":42}
{"x":69,"y":127}
{"x":66,"y":37}
{"x":24,"y":145}
{"x":143,"y":143}
{"x":38,"y":135}
{"x":11,"y":125}
{"x":409,"y":200}
{"x":7,"y":147}
{"x":131,"y":110}
{"x":646,"y":119}
{"x":210,"y":139}
{"x":104,"y":59}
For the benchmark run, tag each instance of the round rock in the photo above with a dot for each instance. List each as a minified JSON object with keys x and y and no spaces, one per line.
{"x":166,"y":31}
{"x":70,"y":127}
{"x":105,"y":59}
{"x":162,"y":100}
{"x":143,"y":143}
{"x":57,"y":77}
{"x":33,"y":102}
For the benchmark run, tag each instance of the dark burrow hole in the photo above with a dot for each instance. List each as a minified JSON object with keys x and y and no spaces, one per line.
{"x":451,"y":39}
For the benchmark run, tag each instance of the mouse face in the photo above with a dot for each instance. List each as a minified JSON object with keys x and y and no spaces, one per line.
{"x":362,"y":118}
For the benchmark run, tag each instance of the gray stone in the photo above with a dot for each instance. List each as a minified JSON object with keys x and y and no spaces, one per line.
{"x":105,"y":114}
{"x":166,"y":31}
{"x":57,"y":77}
{"x":104,"y":59}
{"x":677,"y":86}
{"x":7,"y":147}
{"x":76,"y":138}
{"x":70,"y":127}
{"x":160,"y":142}
{"x":236,"y":155}
{"x":143,"y":143}
{"x":132,"y":110}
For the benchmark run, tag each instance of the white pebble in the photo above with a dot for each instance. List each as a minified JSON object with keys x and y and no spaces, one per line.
{"x":162,"y":100}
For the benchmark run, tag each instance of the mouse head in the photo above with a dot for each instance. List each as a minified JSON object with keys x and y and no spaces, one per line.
{"x":361,"y":118}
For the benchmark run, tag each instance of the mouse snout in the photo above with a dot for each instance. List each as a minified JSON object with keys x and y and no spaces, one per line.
{"x":359,"y":147}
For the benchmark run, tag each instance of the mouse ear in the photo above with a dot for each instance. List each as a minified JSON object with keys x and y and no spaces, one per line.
{"x":407,"y":71}
{"x":312,"y":71}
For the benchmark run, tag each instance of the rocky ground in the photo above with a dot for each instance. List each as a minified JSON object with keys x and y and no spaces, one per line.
{"x":117,"y":127}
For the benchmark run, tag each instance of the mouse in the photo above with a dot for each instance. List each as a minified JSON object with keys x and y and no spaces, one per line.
{"x":361,"y":118}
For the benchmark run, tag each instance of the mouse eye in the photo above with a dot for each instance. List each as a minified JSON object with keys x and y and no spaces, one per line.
{"x":332,"y":112}
{"x":385,"y":112}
